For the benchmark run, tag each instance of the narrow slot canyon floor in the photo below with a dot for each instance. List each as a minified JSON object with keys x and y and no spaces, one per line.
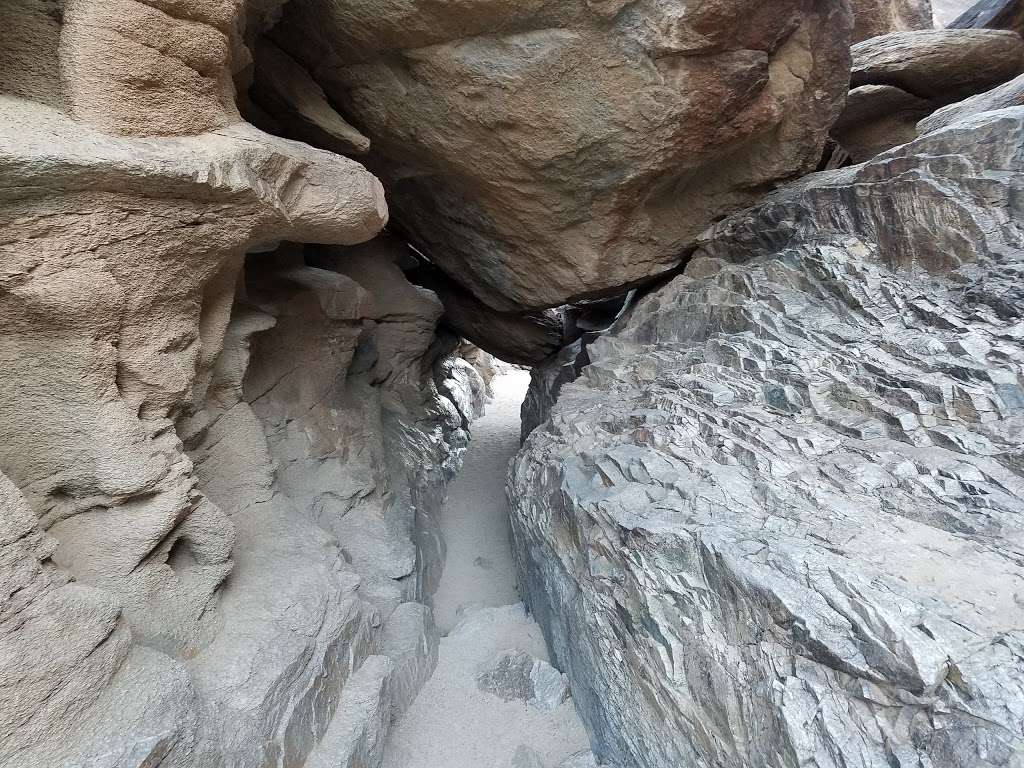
{"x":453,"y":723}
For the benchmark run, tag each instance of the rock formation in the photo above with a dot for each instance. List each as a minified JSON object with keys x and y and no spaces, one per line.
{"x":220,"y":457}
{"x":542,"y":152}
{"x":768,"y":509}
{"x":880,"y":17}
{"x":900,"y":79}
{"x":992,"y":14}
{"x":775,"y":521}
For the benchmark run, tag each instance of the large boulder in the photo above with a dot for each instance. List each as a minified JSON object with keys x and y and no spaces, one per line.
{"x":541,"y":152}
{"x":942,"y":64}
{"x":776,"y":521}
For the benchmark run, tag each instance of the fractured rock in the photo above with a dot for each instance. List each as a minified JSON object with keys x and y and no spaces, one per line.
{"x":779,"y":514}
{"x":943,"y":64}
{"x":514,"y":674}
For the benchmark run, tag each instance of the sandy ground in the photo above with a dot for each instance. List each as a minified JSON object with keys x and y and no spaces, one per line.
{"x":478,"y":567}
{"x":452,"y":724}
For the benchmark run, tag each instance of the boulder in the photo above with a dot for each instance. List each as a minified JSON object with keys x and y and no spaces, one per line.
{"x":776,"y":520}
{"x":945,"y":64}
{"x":543,"y":152}
{"x":515,"y":675}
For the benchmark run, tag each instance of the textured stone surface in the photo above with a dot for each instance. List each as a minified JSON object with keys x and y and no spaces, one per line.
{"x":939,"y":64}
{"x":220,"y":470}
{"x":516,"y":675}
{"x":880,"y":17}
{"x":777,"y":521}
{"x":1009,"y":94}
{"x":539,"y":152}
{"x":991,"y":14}
{"x":877,"y":118}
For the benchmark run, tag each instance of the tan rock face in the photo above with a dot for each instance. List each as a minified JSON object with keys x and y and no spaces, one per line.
{"x":206,"y":512}
{"x":545,"y":151}
{"x":879,"y":17}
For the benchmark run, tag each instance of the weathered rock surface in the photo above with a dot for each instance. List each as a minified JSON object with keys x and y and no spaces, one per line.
{"x":219,"y":470}
{"x":539,"y":152}
{"x":777,"y":520}
{"x":992,"y":14}
{"x":943,"y":64}
{"x":880,"y":17}
{"x":877,"y":118}
{"x":1009,"y":94}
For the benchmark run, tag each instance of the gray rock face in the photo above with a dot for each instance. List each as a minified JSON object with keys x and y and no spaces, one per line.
{"x":1009,"y":94}
{"x":516,"y":675}
{"x":543,"y":151}
{"x":990,"y":14}
{"x":777,"y":520}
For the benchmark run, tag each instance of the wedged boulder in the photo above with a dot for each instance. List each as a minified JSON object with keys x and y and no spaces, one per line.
{"x":777,"y":520}
{"x":880,"y":17}
{"x":942,"y":64}
{"x":520,"y":338}
{"x":542,"y":152}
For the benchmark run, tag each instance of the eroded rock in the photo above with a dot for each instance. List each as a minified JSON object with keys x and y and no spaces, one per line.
{"x":943,"y":64}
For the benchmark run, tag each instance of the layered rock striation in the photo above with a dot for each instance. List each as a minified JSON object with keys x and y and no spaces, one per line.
{"x":776,"y":521}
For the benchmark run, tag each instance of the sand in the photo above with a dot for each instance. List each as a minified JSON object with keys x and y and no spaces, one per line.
{"x":452,"y":724}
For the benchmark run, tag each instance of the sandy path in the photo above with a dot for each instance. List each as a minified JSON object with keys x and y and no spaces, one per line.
{"x":479,"y":567}
{"x":452,"y":724}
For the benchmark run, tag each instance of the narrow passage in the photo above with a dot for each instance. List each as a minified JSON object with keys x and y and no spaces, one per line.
{"x":453,"y":723}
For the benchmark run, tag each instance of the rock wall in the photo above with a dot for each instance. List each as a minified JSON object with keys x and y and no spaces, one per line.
{"x":219,"y":457}
{"x":776,"y":521}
